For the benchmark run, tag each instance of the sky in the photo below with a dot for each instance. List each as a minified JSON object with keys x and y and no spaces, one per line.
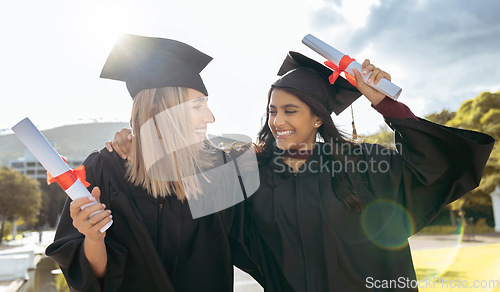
{"x":439,"y":52}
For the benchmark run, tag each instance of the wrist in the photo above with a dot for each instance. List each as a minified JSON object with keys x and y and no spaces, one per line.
{"x":93,"y":242}
{"x":95,"y":252}
{"x":375,"y":100}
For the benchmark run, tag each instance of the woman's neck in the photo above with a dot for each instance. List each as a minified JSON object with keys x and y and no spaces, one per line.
{"x":295,"y":158}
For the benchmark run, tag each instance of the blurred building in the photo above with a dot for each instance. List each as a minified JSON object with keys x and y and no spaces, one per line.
{"x":30,"y":166}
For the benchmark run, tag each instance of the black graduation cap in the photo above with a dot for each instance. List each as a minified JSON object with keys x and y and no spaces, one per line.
{"x":149,"y":62}
{"x":311,"y":78}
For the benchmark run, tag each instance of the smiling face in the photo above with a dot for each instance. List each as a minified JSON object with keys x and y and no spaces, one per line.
{"x":200,"y":113}
{"x":291,"y":121}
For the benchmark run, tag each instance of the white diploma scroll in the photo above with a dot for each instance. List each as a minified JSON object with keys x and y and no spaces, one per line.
{"x":334,"y":56}
{"x":34,"y":140}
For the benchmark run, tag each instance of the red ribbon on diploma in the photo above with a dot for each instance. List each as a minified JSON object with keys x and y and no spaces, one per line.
{"x":343,"y":64}
{"x":67,"y":179}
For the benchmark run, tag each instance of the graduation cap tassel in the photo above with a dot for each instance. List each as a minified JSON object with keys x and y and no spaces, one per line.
{"x":354,"y":133}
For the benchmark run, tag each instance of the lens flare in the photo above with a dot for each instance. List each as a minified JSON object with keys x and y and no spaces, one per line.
{"x":435,"y":260}
{"x":387,"y":224}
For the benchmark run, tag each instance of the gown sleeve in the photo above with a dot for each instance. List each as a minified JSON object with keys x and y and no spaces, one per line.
{"x":67,"y":249}
{"x":234,"y":217}
{"x":432,"y":166}
{"x":390,"y":108}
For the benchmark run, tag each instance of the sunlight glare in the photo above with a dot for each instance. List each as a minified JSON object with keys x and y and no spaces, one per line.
{"x":105,"y":21}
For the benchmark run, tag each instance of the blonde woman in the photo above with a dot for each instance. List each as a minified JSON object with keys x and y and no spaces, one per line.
{"x":154,"y":243}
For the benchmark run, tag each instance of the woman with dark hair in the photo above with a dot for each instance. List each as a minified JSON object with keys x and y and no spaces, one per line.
{"x":334,"y":215}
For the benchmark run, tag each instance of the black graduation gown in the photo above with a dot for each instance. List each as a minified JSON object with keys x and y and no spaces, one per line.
{"x":153,"y":244}
{"x":304,"y":238}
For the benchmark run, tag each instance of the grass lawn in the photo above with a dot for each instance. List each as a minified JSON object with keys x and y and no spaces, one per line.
{"x":459,"y":267}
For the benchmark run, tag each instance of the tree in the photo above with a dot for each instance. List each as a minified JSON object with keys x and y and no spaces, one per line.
{"x":53,"y":198}
{"x":482,"y":114}
{"x":19,"y":197}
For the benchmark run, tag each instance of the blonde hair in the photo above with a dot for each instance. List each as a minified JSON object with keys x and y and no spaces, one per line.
{"x":167,"y":159}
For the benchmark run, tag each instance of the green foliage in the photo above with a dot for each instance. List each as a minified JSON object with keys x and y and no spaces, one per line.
{"x":483,"y":114}
{"x":384,"y":137}
{"x":53,"y":198}
{"x":482,"y":227}
{"x":19,"y":197}
{"x":479,"y":227}
{"x":480,"y":113}
{"x":441,"y":118}
{"x":7,"y":230}
{"x":440,"y":229}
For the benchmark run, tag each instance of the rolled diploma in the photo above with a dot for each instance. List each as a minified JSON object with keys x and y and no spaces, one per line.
{"x":334,"y":56}
{"x":34,"y":140}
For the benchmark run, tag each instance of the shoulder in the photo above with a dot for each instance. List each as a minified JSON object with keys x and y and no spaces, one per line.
{"x":236,"y":149}
{"x":98,"y":161}
{"x":97,"y":158}
{"x":243,"y":153}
